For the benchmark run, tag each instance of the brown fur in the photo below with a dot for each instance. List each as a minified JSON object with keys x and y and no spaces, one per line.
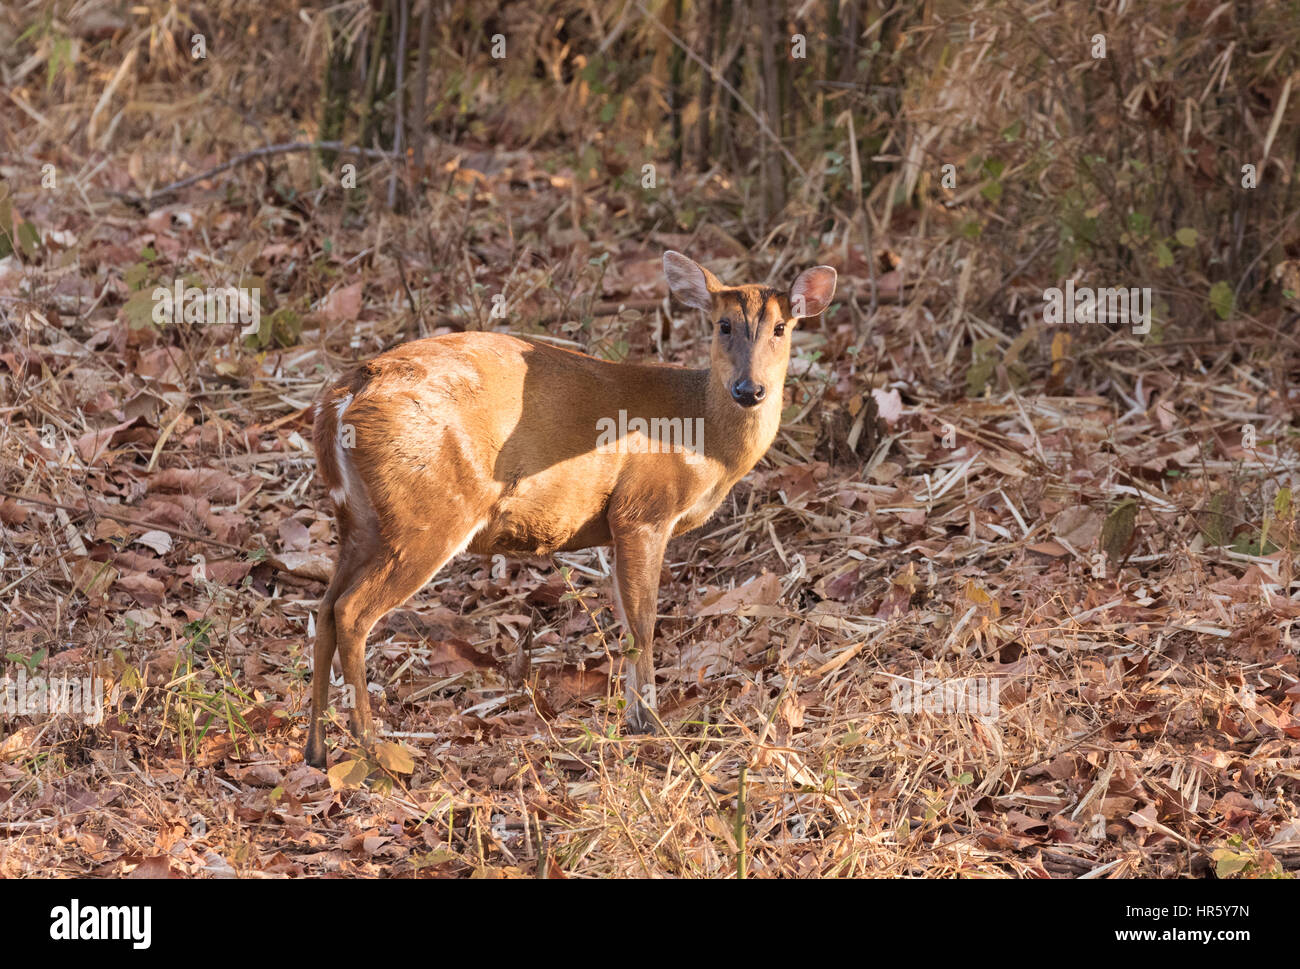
{"x":488,"y":442}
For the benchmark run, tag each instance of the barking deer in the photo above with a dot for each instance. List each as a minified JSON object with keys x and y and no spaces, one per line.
{"x":494,"y":443}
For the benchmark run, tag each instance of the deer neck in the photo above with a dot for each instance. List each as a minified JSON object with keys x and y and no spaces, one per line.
{"x":737,"y":437}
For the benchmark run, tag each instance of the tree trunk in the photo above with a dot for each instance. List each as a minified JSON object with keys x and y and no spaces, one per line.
{"x":419,"y":127}
{"x":335,"y":92}
{"x":773,"y":173}
{"x":703,"y":139}
{"x":372,"y":77}
{"x":849,"y":49}
{"x":402,"y":11}
{"x":676,"y":63}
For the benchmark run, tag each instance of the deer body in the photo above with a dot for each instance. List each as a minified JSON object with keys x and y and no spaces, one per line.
{"x":488,"y":442}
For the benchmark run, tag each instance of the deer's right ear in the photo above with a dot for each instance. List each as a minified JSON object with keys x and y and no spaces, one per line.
{"x":690,"y":282}
{"x":812,"y":291}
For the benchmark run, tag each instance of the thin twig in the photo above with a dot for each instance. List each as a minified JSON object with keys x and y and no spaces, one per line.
{"x":281,"y":149}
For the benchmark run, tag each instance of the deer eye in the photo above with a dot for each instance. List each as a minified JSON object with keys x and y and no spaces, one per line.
{"x":779,"y":330}
{"x":725,"y":327}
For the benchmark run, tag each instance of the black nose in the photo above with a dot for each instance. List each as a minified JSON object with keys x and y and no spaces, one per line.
{"x":746,"y":393}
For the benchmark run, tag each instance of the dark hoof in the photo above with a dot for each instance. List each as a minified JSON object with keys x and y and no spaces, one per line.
{"x":314,"y":754}
{"x":639,"y":721}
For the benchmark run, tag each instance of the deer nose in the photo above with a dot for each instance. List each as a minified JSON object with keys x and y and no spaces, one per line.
{"x":746,"y":393}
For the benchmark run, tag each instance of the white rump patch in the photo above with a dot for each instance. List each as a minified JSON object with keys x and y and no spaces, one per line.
{"x":353,"y":490}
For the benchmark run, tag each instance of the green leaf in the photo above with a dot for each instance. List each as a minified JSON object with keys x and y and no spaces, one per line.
{"x":30,"y":662}
{"x":138,"y":309}
{"x":982,"y":367}
{"x":1164,"y":256}
{"x":1215,"y":520}
{"x":286,"y":327}
{"x":1282,"y":503}
{"x":1186,"y":237}
{"x":6,"y":221}
{"x":1247,"y":544}
{"x":29,"y":239}
{"x":60,"y":56}
{"x":1228,"y":862}
{"x":438,"y":856}
{"x":136,"y":276}
{"x":1117,"y":530}
{"x":1221,"y":299}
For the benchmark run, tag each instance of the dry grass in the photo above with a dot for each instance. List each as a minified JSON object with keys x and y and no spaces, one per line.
{"x":1145,"y":718}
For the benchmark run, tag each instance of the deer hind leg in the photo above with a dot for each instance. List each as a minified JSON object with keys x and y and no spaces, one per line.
{"x":638,"y":557}
{"x":380,"y":582}
{"x":353,"y":554}
{"x":320,"y":682}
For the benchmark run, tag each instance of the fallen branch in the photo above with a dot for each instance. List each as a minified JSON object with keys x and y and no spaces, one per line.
{"x":265,"y":152}
{"x":126,"y":520}
{"x":611,"y":308}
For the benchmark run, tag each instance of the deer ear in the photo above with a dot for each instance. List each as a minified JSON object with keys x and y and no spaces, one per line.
{"x":691,"y":283}
{"x":812,"y":291}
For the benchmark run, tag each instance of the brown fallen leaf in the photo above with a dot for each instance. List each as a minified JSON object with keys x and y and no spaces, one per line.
{"x":348,"y":775}
{"x":92,"y":445}
{"x":210,"y":483}
{"x":1054,"y":549}
{"x":761,"y":591}
{"x":293,"y":535}
{"x":305,"y":564}
{"x":342,"y":305}
{"x":155,"y":866}
{"x":394,"y":757}
{"x":1080,"y":526}
{"x":92,"y":578}
{"x":144,"y":590}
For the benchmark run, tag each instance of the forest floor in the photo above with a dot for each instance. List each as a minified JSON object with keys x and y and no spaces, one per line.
{"x":1070,"y":536}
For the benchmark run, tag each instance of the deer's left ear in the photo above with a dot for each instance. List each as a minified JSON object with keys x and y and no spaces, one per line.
{"x":690,"y":282}
{"x":812,"y":291}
